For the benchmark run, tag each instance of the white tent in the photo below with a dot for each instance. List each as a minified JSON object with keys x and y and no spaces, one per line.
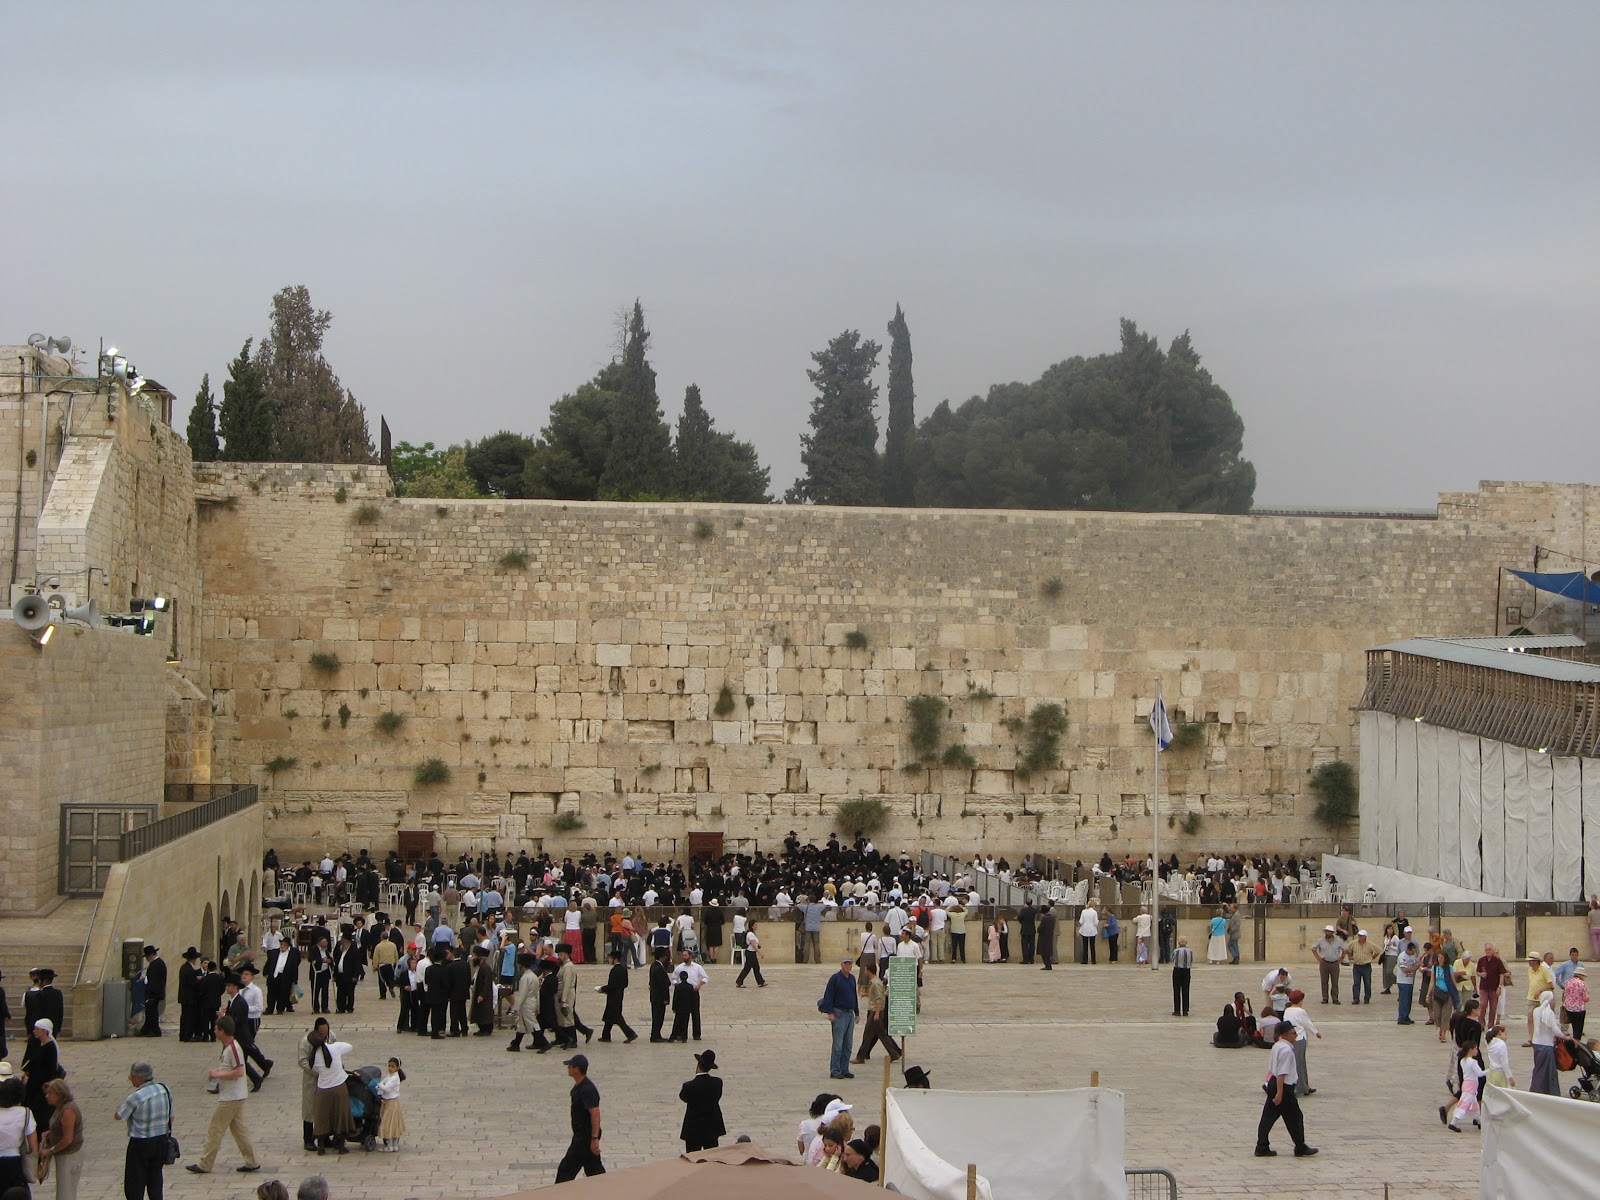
{"x":1026,"y":1145}
{"x":1536,"y":1146}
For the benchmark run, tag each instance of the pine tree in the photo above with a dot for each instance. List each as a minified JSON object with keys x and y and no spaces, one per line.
{"x":245,"y":419}
{"x":318,"y":420}
{"x":202,"y":431}
{"x":899,"y":473}
{"x":841,"y":451}
{"x":711,"y":465}
{"x":639,"y":459}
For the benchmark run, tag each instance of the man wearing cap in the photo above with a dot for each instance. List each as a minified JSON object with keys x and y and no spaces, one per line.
{"x":1541,"y":979}
{"x":155,"y":991}
{"x":702,"y":1126}
{"x":1328,"y":951}
{"x":1297,"y":1016}
{"x":840,"y":1004}
{"x":1283,"y":1076}
{"x":190,"y":1016}
{"x":1361,"y":954}
{"x":584,"y":1151}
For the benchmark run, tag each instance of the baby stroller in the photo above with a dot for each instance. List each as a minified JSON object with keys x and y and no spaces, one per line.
{"x":1573,"y":1055}
{"x":365,"y":1107}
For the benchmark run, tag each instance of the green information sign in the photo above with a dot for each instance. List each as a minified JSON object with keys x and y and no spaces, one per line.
{"x":902,"y":996}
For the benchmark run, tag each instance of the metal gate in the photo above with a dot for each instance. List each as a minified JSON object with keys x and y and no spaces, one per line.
{"x":91,"y":841}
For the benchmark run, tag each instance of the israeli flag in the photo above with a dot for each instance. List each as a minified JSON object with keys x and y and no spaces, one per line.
{"x":1160,"y":725}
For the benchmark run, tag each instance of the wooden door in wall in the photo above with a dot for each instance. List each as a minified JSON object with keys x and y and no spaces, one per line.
{"x":416,"y":845}
{"x":704,"y":847}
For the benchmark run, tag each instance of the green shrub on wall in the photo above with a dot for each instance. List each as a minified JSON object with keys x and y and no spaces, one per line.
{"x":861,"y":815}
{"x":1335,"y":786}
{"x":433,"y":771}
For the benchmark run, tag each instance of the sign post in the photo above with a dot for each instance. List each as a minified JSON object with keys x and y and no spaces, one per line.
{"x":902,"y":1005}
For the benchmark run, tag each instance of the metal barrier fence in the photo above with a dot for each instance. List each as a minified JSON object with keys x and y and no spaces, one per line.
{"x":1151,"y":1183}
{"x":992,"y":888}
{"x":158,"y":833}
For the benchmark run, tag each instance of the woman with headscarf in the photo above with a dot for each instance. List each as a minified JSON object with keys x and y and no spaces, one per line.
{"x":41,"y":1062}
{"x":1228,"y":1035}
{"x":1546,"y":1029}
{"x":309,"y":1045}
{"x":331,"y":1119}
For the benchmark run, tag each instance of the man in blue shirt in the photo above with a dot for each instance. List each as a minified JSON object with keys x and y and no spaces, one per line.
{"x":148,"y":1113}
{"x":811,"y":944}
{"x":840,"y":1004}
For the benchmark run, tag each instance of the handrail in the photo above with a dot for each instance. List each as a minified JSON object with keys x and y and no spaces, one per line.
{"x":84,"y":953}
{"x":158,"y":833}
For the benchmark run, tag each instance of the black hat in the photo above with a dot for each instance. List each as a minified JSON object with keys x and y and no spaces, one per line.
{"x":45,"y":973}
{"x":707,"y":1060}
{"x":191,"y":952}
{"x":916,"y":1077}
{"x":149,"y":950}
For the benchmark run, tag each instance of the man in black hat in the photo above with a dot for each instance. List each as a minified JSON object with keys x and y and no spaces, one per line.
{"x":189,"y":977}
{"x":660,"y":992}
{"x":615,"y":988}
{"x":45,"y":1000}
{"x":155,"y":991}
{"x":703,"y":1126}
{"x":584,"y":1151}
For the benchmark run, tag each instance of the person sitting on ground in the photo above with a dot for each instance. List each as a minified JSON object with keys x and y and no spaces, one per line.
{"x":1247,"y":1017}
{"x":1229,"y":1034}
{"x":1266,"y":1030}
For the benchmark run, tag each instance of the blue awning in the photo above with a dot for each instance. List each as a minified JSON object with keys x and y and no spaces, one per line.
{"x":1574,"y":585}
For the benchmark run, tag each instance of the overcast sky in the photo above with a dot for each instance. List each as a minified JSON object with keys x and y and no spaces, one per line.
{"x":1380,"y":222}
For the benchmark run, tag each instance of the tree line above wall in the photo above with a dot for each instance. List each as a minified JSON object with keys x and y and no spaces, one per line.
{"x":1141,"y":429}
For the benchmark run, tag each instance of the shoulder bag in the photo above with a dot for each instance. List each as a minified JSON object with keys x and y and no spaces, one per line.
{"x":174,"y":1151}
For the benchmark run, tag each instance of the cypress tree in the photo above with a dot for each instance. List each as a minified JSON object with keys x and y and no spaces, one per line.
{"x":246,"y":418}
{"x":692,"y":450}
{"x":841,"y":451}
{"x":202,"y":431}
{"x":639,"y":459}
{"x":898,"y":470}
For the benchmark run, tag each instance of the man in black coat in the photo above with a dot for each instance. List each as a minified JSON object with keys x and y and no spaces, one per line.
{"x":702,"y":1099}
{"x":45,"y":1000}
{"x":436,"y":982}
{"x":660,"y":993}
{"x":211,"y":988}
{"x":348,"y":966}
{"x":189,"y":1012}
{"x":616,"y":987}
{"x":1047,"y":937}
{"x":460,"y":992}
{"x":1027,"y":921}
{"x":239,"y":1009}
{"x":155,"y":991}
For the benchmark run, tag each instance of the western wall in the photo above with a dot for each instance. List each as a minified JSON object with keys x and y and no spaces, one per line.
{"x":566,"y":661}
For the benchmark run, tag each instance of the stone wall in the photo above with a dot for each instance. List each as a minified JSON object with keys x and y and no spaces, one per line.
{"x":81,"y":722}
{"x":569,"y":658}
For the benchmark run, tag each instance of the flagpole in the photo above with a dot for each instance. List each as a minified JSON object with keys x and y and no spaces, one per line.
{"x":1155,"y":839}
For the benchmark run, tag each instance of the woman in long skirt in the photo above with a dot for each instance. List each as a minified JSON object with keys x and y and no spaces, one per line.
{"x":331,"y":1121}
{"x":1217,"y":947}
{"x":1546,"y":1029}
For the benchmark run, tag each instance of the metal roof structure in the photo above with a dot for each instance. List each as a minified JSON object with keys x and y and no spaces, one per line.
{"x":1526,"y":643}
{"x":1536,"y":665}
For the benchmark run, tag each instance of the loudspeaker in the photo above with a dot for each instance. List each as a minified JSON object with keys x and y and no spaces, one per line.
{"x":32,"y":612}
{"x":87,"y":614}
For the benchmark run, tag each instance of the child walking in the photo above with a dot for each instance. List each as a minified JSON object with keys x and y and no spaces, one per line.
{"x":1472,"y":1074}
{"x":392,"y":1121}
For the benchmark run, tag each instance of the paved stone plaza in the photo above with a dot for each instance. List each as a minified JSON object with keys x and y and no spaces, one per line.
{"x":485,"y":1122}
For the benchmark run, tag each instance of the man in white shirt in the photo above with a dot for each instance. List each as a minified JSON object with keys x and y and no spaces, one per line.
{"x":937,"y":920}
{"x":1141,"y":937}
{"x":1297,"y":1016}
{"x":697,"y":896}
{"x":650,"y":897}
{"x":895,"y":919}
{"x":1281,"y":1101}
{"x":326,"y":865}
{"x":1329,"y":951}
{"x":1088,"y":931}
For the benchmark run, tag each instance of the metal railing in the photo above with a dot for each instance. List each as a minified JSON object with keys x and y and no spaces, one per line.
{"x":149,"y":837}
{"x":1151,"y":1183}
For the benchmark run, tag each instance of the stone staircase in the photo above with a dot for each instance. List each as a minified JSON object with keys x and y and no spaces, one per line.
{"x":55,"y":941}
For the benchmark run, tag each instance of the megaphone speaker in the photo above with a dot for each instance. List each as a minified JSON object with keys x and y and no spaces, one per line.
{"x":87,"y":614}
{"x":32,"y":612}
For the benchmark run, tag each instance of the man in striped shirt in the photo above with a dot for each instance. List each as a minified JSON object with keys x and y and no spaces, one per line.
{"x":148,"y":1113}
{"x":1182,"y":969}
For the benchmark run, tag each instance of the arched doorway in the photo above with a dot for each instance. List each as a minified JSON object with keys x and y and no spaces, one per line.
{"x":208,"y":934}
